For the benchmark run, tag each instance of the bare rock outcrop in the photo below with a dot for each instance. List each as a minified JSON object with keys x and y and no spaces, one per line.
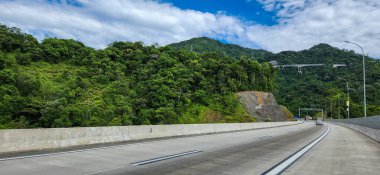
{"x":262,"y":106}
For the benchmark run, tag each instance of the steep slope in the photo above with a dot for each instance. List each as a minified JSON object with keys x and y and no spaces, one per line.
{"x":317,"y":86}
{"x":323,"y":87}
{"x":262,"y":105}
{"x":204,"y":44}
{"x":63,"y":83}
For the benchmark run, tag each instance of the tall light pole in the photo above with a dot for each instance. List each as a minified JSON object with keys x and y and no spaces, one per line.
{"x":339,"y":106}
{"x":331,"y":109}
{"x":364,"y":88}
{"x":348,"y":97}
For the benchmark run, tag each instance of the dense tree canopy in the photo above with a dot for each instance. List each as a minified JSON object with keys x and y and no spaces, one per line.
{"x":204,"y":44}
{"x":63,"y":83}
{"x":324,"y":87}
{"x":316,"y":87}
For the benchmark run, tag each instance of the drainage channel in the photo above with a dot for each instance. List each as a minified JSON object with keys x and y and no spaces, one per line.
{"x":283,"y":165}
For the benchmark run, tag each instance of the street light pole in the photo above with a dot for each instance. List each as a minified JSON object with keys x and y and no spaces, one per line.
{"x":299,"y":112}
{"x":364,"y":88}
{"x":338,"y":105}
{"x":323,"y":118}
{"x":348,"y":97}
{"x":331,"y":109}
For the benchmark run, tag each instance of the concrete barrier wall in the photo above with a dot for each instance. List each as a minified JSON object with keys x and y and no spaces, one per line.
{"x":16,"y":140}
{"x":370,"y":132}
{"x":369,"y":122}
{"x":369,"y":126}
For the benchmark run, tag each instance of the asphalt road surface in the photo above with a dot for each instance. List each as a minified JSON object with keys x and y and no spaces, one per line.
{"x":245,"y":152}
{"x":343,"y":151}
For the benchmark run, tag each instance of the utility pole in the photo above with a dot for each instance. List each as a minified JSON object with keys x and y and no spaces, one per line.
{"x":323,"y":118}
{"x":299,"y":112}
{"x":338,"y":106}
{"x":348,"y":97}
{"x":348,"y":101}
{"x":331,"y":109}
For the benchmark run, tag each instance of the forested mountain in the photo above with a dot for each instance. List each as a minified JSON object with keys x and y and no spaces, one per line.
{"x":204,"y":44}
{"x":63,"y":83}
{"x":316,"y":87}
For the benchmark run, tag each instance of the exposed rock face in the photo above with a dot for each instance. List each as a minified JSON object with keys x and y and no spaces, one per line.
{"x":262,"y":106}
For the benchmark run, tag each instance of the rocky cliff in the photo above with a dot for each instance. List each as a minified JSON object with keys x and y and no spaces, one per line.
{"x":263,"y":106}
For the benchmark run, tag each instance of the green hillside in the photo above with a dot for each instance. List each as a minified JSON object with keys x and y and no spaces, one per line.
{"x":204,"y":44}
{"x":63,"y":83}
{"x":317,"y":87}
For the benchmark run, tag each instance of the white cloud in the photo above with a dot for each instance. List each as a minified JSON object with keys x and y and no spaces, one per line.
{"x":301,"y":23}
{"x":304,"y":23}
{"x":285,"y":7}
{"x":100,"y":22}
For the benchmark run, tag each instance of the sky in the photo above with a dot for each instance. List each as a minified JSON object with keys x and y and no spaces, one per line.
{"x":274,"y":25}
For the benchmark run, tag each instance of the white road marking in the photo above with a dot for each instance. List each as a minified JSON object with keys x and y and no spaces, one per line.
{"x":75,"y":151}
{"x":165,"y":157}
{"x":264,"y":137}
{"x":289,"y":161}
{"x":148,"y":161}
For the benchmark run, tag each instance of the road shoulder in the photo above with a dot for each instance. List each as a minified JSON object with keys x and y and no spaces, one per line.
{"x":343,"y":151}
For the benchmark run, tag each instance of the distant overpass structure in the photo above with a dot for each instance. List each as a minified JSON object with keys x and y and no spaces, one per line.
{"x":310,"y":109}
{"x":339,"y":65}
{"x":300,"y":66}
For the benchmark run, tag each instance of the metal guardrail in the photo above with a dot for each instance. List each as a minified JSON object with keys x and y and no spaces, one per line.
{"x":369,"y":122}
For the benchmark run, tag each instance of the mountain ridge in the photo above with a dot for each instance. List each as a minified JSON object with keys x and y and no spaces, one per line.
{"x":316,"y":86}
{"x":205,"y":44}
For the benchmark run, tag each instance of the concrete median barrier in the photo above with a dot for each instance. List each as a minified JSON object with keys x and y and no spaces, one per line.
{"x":18,"y":140}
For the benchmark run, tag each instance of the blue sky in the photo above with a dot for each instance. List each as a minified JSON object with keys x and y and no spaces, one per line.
{"x":247,"y":10}
{"x":274,"y":25}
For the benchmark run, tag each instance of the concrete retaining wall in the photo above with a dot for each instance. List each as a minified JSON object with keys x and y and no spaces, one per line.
{"x":16,"y":140}
{"x":369,"y":122}
{"x":369,"y":126}
{"x":370,"y":132}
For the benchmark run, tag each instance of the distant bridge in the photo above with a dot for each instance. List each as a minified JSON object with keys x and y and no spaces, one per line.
{"x":300,"y":66}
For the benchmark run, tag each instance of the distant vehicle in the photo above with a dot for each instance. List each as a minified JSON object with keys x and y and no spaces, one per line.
{"x":319,"y":121}
{"x":308,"y":118}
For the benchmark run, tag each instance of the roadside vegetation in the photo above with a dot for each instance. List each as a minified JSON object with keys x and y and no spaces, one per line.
{"x":316,"y":87}
{"x":63,"y":83}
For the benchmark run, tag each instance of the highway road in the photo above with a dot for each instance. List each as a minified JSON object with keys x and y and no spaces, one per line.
{"x":343,"y":151}
{"x":243,"y":152}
